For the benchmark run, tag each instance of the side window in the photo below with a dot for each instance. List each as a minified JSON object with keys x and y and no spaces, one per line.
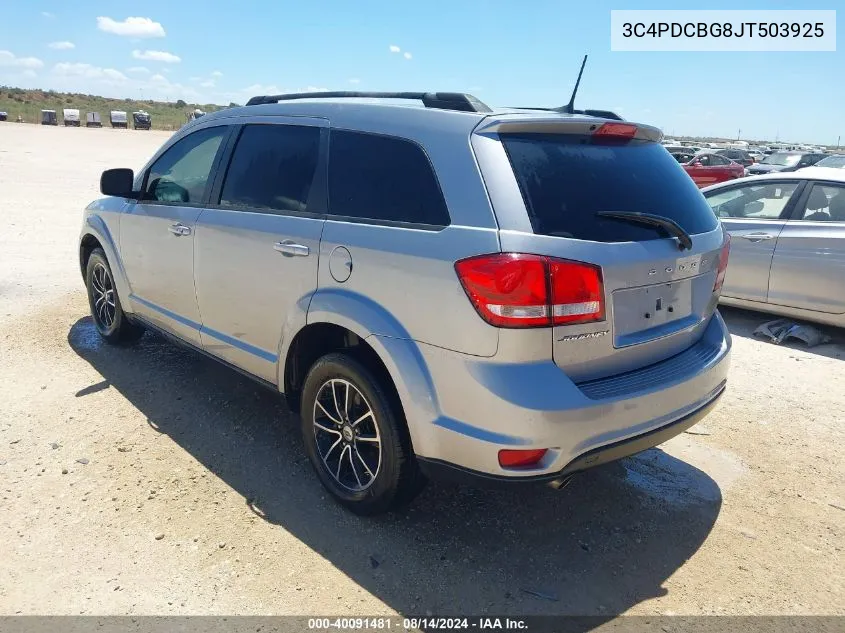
{"x":754,"y":202}
{"x":720,"y":161}
{"x":705,"y":160}
{"x":826,"y":203}
{"x":272,"y":168}
{"x":383,"y":178}
{"x":181,"y":174}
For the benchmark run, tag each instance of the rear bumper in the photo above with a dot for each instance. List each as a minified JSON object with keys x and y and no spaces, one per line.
{"x":436,"y":469}
{"x":482,"y":406}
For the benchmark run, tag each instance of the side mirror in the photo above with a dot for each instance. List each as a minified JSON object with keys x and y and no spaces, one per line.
{"x":118,"y":182}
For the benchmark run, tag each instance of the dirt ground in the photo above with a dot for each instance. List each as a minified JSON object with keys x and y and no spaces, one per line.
{"x":149,"y":480}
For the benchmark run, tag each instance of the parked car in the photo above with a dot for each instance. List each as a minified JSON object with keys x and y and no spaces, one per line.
{"x":740,"y":156}
{"x":708,"y":168}
{"x":142,"y":121}
{"x":784,"y":161}
{"x":836,"y":161}
{"x":683,"y":157}
{"x":92,"y":119}
{"x":70,"y":116}
{"x":788,"y":243}
{"x":405,"y":276}
{"x":48,"y":117}
{"x":4,"y":116}
{"x":118,"y":119}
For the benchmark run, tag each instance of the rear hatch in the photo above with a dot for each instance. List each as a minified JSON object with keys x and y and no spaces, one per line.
{"x":607,"y":195}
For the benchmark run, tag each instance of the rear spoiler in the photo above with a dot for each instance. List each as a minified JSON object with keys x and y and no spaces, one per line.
{"x":557,"y":124}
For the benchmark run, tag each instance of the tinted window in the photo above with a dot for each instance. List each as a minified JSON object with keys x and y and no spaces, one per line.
{"x":566,"y":180}
{"x":826,"y":203}
{"x":757,"y":201}
{"x":837,"y":161}
{"x":272,"y":168}
{"x":383,"y":178}
{"x":181,"y":174}
{"x":720,"y":160}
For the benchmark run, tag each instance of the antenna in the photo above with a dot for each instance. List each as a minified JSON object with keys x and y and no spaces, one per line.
{"x":569,"y":108}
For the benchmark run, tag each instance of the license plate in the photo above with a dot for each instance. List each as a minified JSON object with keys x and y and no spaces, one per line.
{"x":640,"y":309}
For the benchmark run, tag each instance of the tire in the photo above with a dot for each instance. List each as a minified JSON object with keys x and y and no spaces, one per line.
{"x":108,"y":316}
{"x":383,"y":477}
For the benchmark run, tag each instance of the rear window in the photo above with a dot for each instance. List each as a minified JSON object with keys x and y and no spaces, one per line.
{"x":566,"y":180}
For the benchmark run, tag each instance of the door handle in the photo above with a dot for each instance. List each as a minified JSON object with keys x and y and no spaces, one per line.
{"x":757,"y":237}
{"x":291,"y":249}
{"x":179,"y":229}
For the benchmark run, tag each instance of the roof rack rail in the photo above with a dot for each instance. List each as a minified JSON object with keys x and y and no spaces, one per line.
{"x":442,"y":100}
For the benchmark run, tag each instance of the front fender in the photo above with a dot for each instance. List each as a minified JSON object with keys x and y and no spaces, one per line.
{"x":396,"y":349}
{"x":95,"y":226}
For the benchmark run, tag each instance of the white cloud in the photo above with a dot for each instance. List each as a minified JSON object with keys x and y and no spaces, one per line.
{"x":139,"y":70}
{"x":216,"y":73}
{"x":260,"y":89}
{"x":48,"y":15}
{"x":395,"y":49}
{"x":9,"y":59}
{"x":407,"y":55}
{"x":355,"y":81}
{"x":61,"y":46}
{"x":157,"y":56}
{"x":208,"y":84}
{"x":159,"y":79}
{"x":29,"y":73}
{"x":88,"y":71}
{"x":131,"y":27}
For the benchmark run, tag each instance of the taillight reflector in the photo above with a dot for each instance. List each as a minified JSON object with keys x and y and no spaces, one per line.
{"x":723,"y":263}
{"x":617,"y":130}
{"x":509,"y":458}
{"x":519,"y":290}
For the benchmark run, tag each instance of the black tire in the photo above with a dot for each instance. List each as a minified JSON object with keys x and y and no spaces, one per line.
{"x":98,"y":276}
{"x":397,"y":478}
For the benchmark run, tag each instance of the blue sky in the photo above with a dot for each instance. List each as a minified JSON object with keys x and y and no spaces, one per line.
{"x":506,"y":52}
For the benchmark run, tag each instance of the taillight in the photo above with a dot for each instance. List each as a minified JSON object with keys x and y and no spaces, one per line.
{"x":518,"y":290}
{"x":509,"y":458}
{"x":723,"y":263}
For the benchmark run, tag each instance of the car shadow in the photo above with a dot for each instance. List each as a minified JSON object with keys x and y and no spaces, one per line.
{"x":742,"y":323}
{"x":600,"y":546}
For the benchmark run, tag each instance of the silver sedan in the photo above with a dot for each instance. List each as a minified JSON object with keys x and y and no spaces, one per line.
{"x":788,"y":243}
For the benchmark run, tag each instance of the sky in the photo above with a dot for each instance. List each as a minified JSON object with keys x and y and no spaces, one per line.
{"x":505,"y":52}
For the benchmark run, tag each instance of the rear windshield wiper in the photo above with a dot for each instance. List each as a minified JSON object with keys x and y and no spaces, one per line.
{"x":669,"y":225}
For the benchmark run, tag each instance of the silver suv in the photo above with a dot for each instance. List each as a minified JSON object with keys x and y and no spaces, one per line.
{"x":446,"y":290}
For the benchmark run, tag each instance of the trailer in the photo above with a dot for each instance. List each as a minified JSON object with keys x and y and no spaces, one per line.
{"x":118,"y":119}
{"x":48,"y":117}
{"x":142,"y":120}
{"x":92,"y":119}
{"x":4,"y":116}
{"x":71,"y":117}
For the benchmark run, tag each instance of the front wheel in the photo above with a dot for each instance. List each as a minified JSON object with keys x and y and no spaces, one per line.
{"x":108,"y":315}
{"x":356,"y":438}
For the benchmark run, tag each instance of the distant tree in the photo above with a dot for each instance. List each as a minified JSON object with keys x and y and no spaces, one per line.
{"x":181,"y":104}
{"x":232,"y":104}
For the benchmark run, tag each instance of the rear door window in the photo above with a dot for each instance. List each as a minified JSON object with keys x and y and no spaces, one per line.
{"x":272,"y":168}
{"x":759,"y":201}
{"x":566,"y":180}
{"x":383,"y":178}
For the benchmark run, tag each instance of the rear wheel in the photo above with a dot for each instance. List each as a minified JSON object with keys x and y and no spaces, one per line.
{"x":356,"y":438}
{"x":109,"y":319}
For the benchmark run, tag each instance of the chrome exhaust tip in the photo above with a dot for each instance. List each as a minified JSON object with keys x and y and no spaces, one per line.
{"x":559,"y":484}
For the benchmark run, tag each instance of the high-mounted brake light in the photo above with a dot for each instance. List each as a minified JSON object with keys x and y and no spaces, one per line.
{"x":723,"y":264}
{"x":616,"y":130}
{"x":516,"y":290}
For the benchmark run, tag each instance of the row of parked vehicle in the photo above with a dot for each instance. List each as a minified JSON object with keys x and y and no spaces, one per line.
{"x":708,"y":166}
{"x":118,"y":118}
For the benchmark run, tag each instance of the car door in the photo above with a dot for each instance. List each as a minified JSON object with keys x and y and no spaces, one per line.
{"x":258,"y":240}
{"x":808,"y":267}
{"x":156,"y":233}
{"x":754,"y":214}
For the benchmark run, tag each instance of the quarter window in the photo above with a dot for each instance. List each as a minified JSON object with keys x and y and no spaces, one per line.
{"x":272,"y":168}
{"x":383,"y":178}
{"x":181,"y":174}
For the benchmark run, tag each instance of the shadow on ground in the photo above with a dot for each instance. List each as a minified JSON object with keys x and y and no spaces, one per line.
{"x":743,"y":323}
{"x":602,"y":545}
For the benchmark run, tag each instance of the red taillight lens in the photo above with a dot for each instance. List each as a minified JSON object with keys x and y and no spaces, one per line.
{"x":521,"y":458}
{"x":616,"y":130}
{"x":723,"y":263}
{"x":518,"y":290}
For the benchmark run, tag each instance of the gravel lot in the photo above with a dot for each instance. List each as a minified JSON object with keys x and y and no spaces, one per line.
{"x":149,"y":480}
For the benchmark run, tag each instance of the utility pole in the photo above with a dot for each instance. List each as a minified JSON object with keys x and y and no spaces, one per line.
{"x":738,"y":133}
{"x":838,"y":138}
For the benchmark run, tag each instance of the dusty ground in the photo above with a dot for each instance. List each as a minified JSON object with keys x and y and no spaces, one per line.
{"x":148,"y":480}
